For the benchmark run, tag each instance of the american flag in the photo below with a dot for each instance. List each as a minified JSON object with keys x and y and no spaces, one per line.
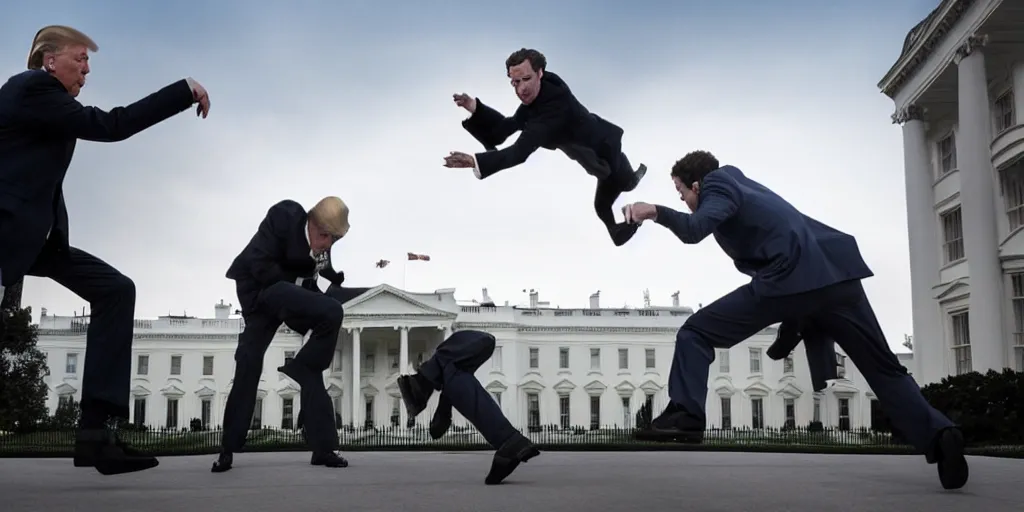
{"x":382,"y":263}
{"x":421,"y":257}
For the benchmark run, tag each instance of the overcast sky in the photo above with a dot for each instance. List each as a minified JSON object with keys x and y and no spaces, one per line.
{"x":354,"y":99}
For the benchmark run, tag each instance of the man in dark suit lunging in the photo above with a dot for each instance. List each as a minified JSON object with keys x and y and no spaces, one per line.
{"x":551,"y":117}
{"x":40,"y":122}
{"x":450,"y":370}
{"x":275,"y":276}
{"x":803,"y":272}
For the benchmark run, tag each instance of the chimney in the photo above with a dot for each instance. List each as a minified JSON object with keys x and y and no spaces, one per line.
{"x":486,"y":297}
{"x":222,"y":311}
{"x":675,"y":299}
{"x":595,"y":300}
{"x":534,"y":296}
{"x":42,"y":312}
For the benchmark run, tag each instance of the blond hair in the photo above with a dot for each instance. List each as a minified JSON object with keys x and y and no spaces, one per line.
{"x":331,"y":214}
{"x":52,"y":39}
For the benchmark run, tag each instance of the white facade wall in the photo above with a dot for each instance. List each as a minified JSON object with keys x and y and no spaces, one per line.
{"x":958,"y":89}
{"x":544,"y":370}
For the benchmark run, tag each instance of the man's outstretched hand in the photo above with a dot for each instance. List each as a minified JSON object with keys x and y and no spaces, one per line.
{"x":638,"y":212}
{"x":456,"y":159}
{"x":465,"y":101}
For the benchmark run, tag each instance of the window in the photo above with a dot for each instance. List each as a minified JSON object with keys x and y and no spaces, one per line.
{"x":953,"y":235}
{"x":533,"y":410}
{"x":726,"y":412}
{"x":287,"y":413}
{"x":172,"y":413}
{"x":650,"y":361}
{"x":396,"y":411}
{"x":595,"y":412}
{"x":844,"y":414}
{"x":961,"y":323}
{"x":1017,"y":301}
{"x":66,"y":400}
{"x":817,"y":410}
{"x":723,"y":361}
{"x":207,"y":365}
{"x":206,"y":412}
{"x":563,"y":358}
{"x":336,"y":402}
{"x":757,"y":412}
{"x":649,"y":402}
{"x":1011,"y":181}
{"x":496,"y":362}
{"x":139,"y":412}
{"x":497,"y":398}
{"x":563,"y":411}
{"x":627,"y":412}
{"x":369,"y":421}
{"x":840,"y":365}
{"x":289,"y":355}
{"x":369,"y":363}
{"x":71,"y":363}
{"x":790,"y":411}
{"x":534,"y":358}
{"x":257,"y":415}
{"x":393,"y":359}
{"x":142,"y":365}
{"x":595,"y":359}
{"x":623,"y":358}
{"x":175,"y":365}
{"x":336,"y":362}
{"x":947,"y":154}
{"x":755,"y":360}
{"x":1003,"y":112}
{"x":787,"y":364}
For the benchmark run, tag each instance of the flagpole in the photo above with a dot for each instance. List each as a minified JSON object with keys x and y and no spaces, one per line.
{"x":405,"y":268}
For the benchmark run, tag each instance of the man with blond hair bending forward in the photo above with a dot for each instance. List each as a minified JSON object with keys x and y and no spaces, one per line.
{"x":276,"y":279}
{"x":40,"y":123}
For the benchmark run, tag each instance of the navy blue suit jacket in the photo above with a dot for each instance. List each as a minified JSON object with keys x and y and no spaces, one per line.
{"x":279,"y":251}
{"x":784,"y":251}
{"x":40,"y":124}
{"x":554,"y":119}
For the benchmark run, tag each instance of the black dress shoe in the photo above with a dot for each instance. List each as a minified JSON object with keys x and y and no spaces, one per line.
{"x":622,"y":233}
{"x":439,"y":424}
{"x":103,"y":450}
{"x":416,"y":392}
{"x":674,"y":424}
{"x":517,"y":449}
{"x":953,"y":469}
{"x":329,"y":459}
{"x":637,"y":176}
{"x":223,"y":462}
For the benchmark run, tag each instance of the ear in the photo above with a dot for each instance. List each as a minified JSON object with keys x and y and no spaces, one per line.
{"x":695,"y":187}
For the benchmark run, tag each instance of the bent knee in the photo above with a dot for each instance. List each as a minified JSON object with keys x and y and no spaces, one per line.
{"x":122,"y":286}
{"x":333,"y":313}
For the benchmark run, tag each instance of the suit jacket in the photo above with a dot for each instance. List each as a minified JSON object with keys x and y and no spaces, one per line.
{"x":820,"y":350}
{"x":279,"y":251}
{"x":554,"y":119}
{"x":40,"y":124}
{"x":784,"y":251}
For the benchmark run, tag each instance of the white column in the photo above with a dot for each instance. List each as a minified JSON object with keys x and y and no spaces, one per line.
{"x":357,"y":394}
{"x":977,"y":192}
{"x":403,"y":367}
{"x":1018,"y":92}
{"x":923,"y":232}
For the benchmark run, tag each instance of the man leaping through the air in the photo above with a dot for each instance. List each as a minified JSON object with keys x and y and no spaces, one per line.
{"x":550,"y":117}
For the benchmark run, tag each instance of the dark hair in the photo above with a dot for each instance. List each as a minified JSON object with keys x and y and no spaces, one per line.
{"x":537,"y":59}
{"x":694,"y":167}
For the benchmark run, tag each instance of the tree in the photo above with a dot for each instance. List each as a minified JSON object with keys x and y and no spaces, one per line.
{"x":66,"y":416}
{"x":22,"y":367}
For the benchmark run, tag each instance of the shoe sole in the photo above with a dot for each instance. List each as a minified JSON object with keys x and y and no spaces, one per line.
{"x":406,"y":391}
{"x":953,"y":468}
{"x":122,"y":467}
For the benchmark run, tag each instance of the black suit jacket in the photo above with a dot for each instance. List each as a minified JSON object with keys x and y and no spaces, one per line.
{"x":40,"y":124}
{"x":278,"y":252}
{"x":555,"y":119}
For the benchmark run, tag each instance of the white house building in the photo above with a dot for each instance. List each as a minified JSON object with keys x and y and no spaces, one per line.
{"x":958,"y":87}
{"x":587,"y":367}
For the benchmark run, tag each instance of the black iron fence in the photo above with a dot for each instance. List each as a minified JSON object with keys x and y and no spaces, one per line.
{"x":60,"y":443}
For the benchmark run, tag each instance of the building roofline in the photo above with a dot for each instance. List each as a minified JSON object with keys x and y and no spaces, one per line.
{"x":920,"y":43}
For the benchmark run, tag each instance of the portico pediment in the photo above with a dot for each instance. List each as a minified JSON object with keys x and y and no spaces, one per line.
{"x":65,"y":389}
{"x":951,"y":289}
{"x":391,"y":389}
{"x":625,"y":388}
{"x":1013,"y":249}
{"x":140,"y":391}
{"x":758,"y":388}
{"x":287,"y":388}
{"x":595,"y":388}
{"x":371,"y":390}
{"x":790,"y":390}
{"x":205,"y":392}
{"x":843,"y":387}
{"x":725,"y":389}
{"x":651,"y":387}
{"x":496,"y":387}
{"x":335,"y":390}
{"x":532,"y":386}
{"x":388,"y":300}
{"x":172,"y":391}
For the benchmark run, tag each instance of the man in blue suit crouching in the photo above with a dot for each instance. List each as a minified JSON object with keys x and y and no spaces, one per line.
{"x":801,"y":271}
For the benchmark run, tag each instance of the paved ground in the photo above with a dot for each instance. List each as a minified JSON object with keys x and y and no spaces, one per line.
{"x":555,"y":481}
